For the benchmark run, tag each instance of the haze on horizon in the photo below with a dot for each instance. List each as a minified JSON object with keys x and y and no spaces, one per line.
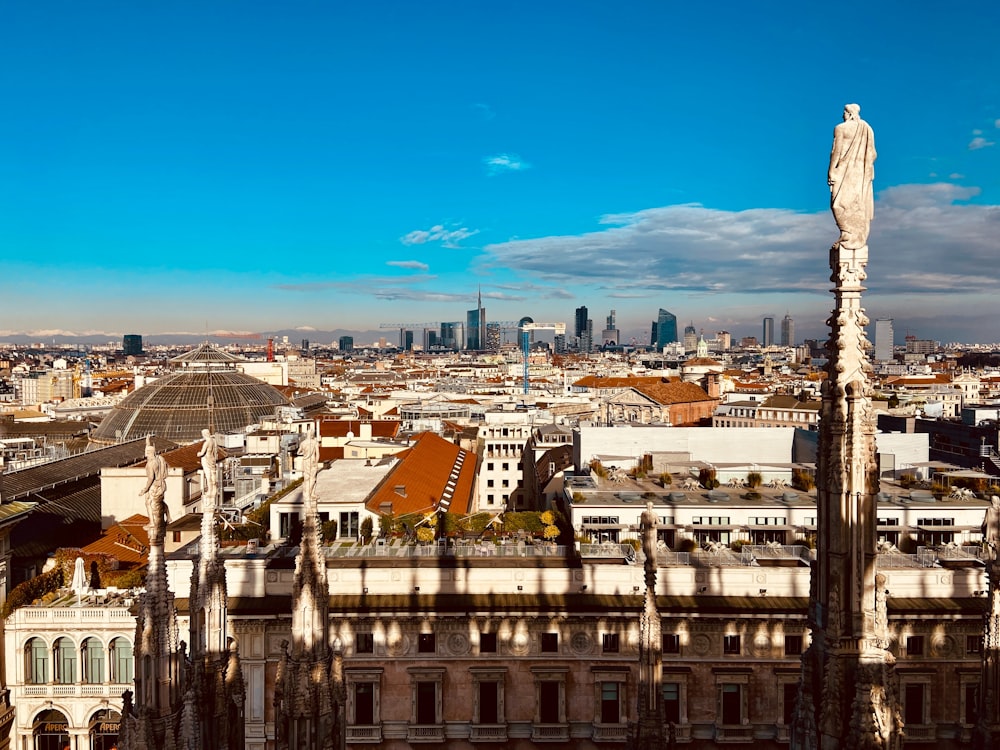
{"x":193,"y":167}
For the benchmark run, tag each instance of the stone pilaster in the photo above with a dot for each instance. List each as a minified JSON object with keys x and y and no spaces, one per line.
{"x":848,"y":697}
{"x":987,"y":732}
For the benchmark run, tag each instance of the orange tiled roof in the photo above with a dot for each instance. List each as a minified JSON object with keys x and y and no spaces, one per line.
{"x":432,"y":474}
{"x":674,"y":392}
{"x":126,"y":541}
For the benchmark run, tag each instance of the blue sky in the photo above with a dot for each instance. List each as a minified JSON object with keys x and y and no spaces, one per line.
{"x":260,"y":166}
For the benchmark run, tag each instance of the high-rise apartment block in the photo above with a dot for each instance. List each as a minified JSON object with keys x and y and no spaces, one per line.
{"x":611,"y":336}
{"x":581,"y":321}
{"x":690,"y":338}
{"x":664,"y":329}
{"x":132,"y":344}
{"x":883,"y":340}
{"x":787,"y":331}
{"x":346,"y":343}
{"x":767,"y":337}
{"x":725,"y":340}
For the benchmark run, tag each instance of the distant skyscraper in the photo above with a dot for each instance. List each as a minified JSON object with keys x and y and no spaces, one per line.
{"x":690,"y":338}
{"x":475,"y":326}
{"x":346,"y":343}
{"x":587,"y":337}
{"x":451,"y":335}
{"x":407,"y":343}
{"x":581,"y":322}
{"x":132,"y":344}
{"x":767,"y":339}
{"x":787,"y":331}
{"x":666,"y":329}
{"x":724,"y":339}
{"x":305,"y":345}
{"x":559,"y":343}
{"x":493,"y":336}
{"x":883,"y":340}
{"x":610,"y":335}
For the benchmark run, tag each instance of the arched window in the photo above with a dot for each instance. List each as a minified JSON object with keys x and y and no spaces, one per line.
{"x":92,"y":658}
{"x":121,"y":661}
{"x":49,"y":730}
{"x":104,"y":726}
{"x":64,"y":654}
{"x":36,"y":668}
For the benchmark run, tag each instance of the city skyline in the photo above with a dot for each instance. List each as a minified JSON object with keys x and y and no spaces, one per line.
{"x":192,"y":169}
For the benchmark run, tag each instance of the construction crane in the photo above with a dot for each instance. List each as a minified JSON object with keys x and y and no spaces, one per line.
{"x":527,"y":326}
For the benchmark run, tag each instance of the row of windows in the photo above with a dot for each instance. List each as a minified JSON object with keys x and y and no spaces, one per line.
{"x":732,"y":709}
{"x":92,"y":657}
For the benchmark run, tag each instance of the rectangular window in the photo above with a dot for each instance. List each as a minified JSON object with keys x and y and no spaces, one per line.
{"x":672,"y":702}
{"x":364,"y":703}
{"x":426,"y":643}
{"x":793,"y":645}
{"x":548,"y":698}
{"x":973,"y":644}
{"x":550,"y":643}
{"x":610,"y":708}
{"x":489,"y":482}
{"x":505,"y":466}
{"x":670,"y":643}
{"x":971,"y":703}
{"x":913,"y":703}
{"x":732,"y":700}
{"x":789,"y":694}
{"x":487,"y":643}
{"x":426,"y":703}
{"x":731,"y":644}
{"x":364,"y":643}
{"x":489,"y":466}
{"x":915,"y":645}
{"x":610,"y":643}
{"x":489,"y":695}
{"x":349,"y":527}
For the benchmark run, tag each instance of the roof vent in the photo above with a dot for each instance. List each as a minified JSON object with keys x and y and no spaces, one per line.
{"x":400,"y":490}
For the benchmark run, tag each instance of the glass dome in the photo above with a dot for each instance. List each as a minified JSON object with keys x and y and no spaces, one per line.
{"x":205,"y":392}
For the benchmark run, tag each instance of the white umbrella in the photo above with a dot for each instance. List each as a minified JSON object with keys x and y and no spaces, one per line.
{"x":79,"y":584}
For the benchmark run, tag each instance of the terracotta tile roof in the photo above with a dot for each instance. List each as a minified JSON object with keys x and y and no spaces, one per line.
{"x":431,"y":474}
{"x":186,"y":457}
{"x":674,"y":392}
{"x":126,"y":541}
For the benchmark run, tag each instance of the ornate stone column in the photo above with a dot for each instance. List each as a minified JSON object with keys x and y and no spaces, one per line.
{"x":848,"y":696}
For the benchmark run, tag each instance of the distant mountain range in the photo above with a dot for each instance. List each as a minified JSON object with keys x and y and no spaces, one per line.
{"x":182,"y":338}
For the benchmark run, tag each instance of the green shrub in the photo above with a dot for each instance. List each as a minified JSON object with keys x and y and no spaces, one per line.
{"x":33,"y":589}
{"x":328,"y":532}
{"x":754,"y":480}
{"x":687,"y":544}
{"x":367,"y":527}
{"x":802,"y":480}
{"x":707,"y":478}
{"x":666,"y":479}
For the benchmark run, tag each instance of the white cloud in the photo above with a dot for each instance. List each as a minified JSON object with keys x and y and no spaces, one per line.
{"x":485,"y":111}
{"x":505,"y":163}
{"x":955,"y":176}
{"x":996,"y":123}
{"x":415,"y":265}
{"x":979,"y":142}
{"x":924,"y":239}
{"x":438,"y":233}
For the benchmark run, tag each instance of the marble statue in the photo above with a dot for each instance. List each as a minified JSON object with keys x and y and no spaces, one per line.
{"x":991,"y":528}
{"x":852,"y":170}
{"x":309,"y":451}
{"x":208,"y":454}
{"x":155,"y":489}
